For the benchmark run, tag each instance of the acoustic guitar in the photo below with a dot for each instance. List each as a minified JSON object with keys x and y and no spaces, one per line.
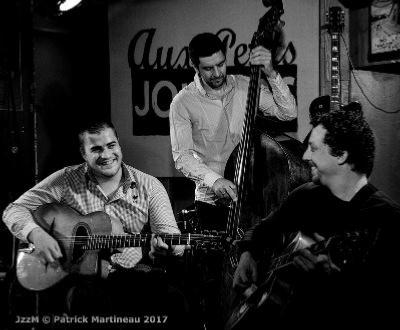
{"x":271,"y":297}
{"x":81,"y":238}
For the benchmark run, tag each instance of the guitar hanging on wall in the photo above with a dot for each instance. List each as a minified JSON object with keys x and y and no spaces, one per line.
{"x":335,"y":25}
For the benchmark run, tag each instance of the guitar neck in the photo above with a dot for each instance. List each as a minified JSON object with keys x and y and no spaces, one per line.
{"x":95,"y":242}
{"x":335,"y":72}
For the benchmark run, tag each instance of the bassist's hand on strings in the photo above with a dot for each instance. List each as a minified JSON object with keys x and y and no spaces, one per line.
{"x":246,"y":272}
{"x":46,"y":246}
{"x":262,"y":56}
{"x":225,"y":189}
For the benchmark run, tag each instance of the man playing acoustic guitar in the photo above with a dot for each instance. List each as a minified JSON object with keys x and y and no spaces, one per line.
{"x":128,"y":196}
{"x":345,"y":278}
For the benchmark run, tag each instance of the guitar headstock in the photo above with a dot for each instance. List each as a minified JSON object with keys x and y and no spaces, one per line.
{"x":269,"y":26}
{"x":335,"y":19}
{"x":208,"y":240}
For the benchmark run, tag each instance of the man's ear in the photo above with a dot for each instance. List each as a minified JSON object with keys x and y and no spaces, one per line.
{"x":343,"y":158}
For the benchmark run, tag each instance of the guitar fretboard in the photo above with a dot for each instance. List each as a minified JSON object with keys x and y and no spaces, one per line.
{"x":335,"y":72}
{"x":95,"y":242}
{"x":335,"y":18}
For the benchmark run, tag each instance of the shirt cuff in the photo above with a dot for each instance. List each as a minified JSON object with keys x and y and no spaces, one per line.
{"x":276,"y":80}
{"x":210,"y":178}
{"x":27,"y":229}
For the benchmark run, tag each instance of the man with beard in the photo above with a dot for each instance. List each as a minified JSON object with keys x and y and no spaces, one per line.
{"x":206,"y":120}
{"x":350,"y":281}
{"x":131,"y":198}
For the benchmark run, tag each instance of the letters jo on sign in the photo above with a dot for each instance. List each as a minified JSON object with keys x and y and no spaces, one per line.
{"x":158,"y":75}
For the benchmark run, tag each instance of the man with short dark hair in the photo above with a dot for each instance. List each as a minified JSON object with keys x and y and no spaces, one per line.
{"x":348,"y":281}
{"x":206,"y":120}
{"x":131,"y":198}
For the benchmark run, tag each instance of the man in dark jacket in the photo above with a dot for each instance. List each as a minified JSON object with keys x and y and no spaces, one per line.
{"x":347,"y":276}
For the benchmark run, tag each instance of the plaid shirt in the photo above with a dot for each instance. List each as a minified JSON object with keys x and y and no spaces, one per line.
{"x":140,"y":198}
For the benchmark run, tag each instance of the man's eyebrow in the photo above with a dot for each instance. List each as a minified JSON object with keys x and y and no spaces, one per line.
{"x":211,"y":66}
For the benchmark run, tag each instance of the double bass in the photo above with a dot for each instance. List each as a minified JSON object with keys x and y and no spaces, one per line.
{"x":267,"y":164}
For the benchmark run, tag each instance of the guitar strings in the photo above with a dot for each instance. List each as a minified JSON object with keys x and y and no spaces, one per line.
{"x":101,"y":238}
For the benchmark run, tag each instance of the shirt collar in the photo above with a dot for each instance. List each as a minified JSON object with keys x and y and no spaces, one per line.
{"x":202,"y":91}
{"x":89,"y":176}
{"x":128,"y":179}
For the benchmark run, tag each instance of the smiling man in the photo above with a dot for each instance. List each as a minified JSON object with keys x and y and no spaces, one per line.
{"x":207,"y":116}
{"x":131,"y":198}
{"x":350,"y":278}
{"x":102,"y":183}
{"x":206,"y":122}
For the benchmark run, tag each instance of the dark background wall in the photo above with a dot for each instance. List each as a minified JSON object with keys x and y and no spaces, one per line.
{"x":376,"y":84}
{"x":58,"y":68}
{"x":54,"y":72}
{"x":16,"y":111}
{"x":71,"y":79}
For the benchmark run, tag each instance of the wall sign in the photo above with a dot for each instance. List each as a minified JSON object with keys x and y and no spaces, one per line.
{"x":156,"y":82}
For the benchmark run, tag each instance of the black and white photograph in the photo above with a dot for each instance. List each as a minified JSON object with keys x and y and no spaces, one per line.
{"x":199,"y":164}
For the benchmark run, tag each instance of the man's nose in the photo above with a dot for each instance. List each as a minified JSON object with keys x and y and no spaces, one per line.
{"x":307,"y":153}
{"x":217,"y":72}
{"x":106,"y":153}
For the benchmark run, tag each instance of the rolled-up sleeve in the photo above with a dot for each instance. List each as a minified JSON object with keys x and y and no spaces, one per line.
{"x":281,"y":103}
{"x":18,"y":215}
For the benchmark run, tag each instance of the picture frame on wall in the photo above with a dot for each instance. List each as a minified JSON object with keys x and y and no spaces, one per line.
{"x":384,"y":30}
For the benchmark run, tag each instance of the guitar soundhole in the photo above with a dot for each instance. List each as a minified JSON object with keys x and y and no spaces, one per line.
{"x":80,"y":241}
